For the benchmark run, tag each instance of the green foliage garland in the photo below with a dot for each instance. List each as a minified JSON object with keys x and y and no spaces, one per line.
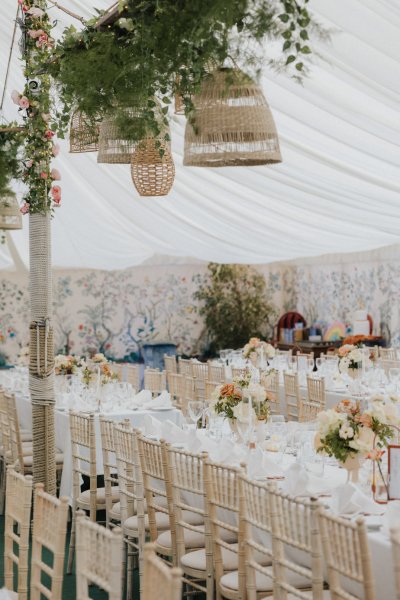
{"x":235,"y":306}
{"x":163,"y":47}
{"x":10,"y":146}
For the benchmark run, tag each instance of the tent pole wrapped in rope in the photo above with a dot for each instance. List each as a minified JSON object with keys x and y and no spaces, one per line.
{"x":41,"y":366}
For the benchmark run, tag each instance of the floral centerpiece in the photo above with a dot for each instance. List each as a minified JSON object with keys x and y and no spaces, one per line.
{"x":101,"y":373}
{"x":258,"y":351}
{"x":350,"y":434}
{"x":228,"y":401}
{"x":67,"y":364}
{"x":350,"y":358}
{"x":99,"y":358}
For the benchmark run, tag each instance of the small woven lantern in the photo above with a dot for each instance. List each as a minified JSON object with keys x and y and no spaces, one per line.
{"x":10,"y":215}
{"x":83,"y":134}
{"x":232,"y":124}
{"x":114,"y":148}
{"x":152,"y":174}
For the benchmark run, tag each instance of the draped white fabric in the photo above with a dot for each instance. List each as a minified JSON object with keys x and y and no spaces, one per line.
{"x":338,"y":189}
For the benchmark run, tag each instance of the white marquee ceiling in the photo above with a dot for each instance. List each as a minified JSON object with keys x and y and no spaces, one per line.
{"x":338,"y":189}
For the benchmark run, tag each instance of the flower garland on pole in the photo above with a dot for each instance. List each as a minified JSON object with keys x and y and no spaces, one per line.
{"x":40,"y":199}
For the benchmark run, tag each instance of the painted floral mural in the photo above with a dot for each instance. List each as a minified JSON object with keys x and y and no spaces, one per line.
{"x":116,"y":311}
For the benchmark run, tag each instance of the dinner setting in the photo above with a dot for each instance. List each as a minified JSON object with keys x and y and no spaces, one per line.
{"x":199,"y":363}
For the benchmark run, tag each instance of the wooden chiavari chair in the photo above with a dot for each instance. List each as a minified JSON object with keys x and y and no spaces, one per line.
{"x":239,"y":373}
{"x":388,"y":353}
{"x":132,"y":375}
{"x":292,"y":395}
{"x":216,"y":372}
{"x":16,"y":531}
{"x":308,"y":411}
{"x":112,"y":506}
{"x":98,"y":558}
{"x":84,"y":463}
{"x":158,"y":579}
{"x":184,"y":366}
{"x":155,"y":381}
{"x":176,"y":387}
{"x":118,"y":369}
{"x":302,"y":359}
{"x":387,"y":364}
{"x":347,"y":556}
{"x":170,"y":364}
{"x":50,"y":516}
{"x":270,"y":382}
{"x":199,"y":370}
{"x":316,"y":390}
{"x":210,"y":387}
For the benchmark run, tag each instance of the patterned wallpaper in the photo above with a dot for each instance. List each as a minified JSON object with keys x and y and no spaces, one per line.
{"x":115,"y":311}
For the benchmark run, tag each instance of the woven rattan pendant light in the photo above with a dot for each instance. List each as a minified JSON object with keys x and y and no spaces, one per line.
{"x":152,"y":174}
{"x":232,"y":124}
{"x":10,"y":215}
{"x":83,"y":134}
{"x":114,"y":148}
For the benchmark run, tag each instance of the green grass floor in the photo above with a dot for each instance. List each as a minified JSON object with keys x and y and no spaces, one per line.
{"x":69,"y":580}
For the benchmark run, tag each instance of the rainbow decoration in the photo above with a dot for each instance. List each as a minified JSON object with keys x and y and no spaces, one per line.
{"x":335,"y":331}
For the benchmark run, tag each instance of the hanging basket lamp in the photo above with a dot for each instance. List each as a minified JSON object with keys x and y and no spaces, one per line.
{"x":83,"y":134}
{"x":10,"y":215}
{"x":152,"y":173}
{"x":232,"y":124}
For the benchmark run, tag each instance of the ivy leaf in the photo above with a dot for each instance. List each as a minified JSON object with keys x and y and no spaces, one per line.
{"x":304,"y":34}
{"x":290,"y":59}
{"x":164,"y":110}
{"x":287,"y":34}
{"x":306,"y":50}
{"x":284,"y":17}
{"x":299,"y":66}
{"x":287,"y":45}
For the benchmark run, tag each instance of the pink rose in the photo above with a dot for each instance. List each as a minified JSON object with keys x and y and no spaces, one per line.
{"x":56,"y":193}
{"x":35,"y":33}
{"x":46,"y":117}
{"x":55,"y":174}
{"x":24,"y":102}
{"x":43,"y":175}
{"x":29,"y":163}
{"x":24,"y":208}
{"x":49,"y":134}
{"x":35,"y":12}
{"x":15,"y":97}
{"x":57,"y":201}
{"x":56,"y":149}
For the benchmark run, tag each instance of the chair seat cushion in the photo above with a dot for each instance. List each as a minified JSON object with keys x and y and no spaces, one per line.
{"x":263,"y":583}
{"x":130,"y":525}
{"x":197,"y":559}
{"x":193,"y":539}
{"x":115,"y":512}
{"x":84,"y":497}
{"x":326,"y":595}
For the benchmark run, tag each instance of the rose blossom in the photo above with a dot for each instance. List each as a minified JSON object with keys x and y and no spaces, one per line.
{"x":35,"y":12}
{"x":43,"y":175}
{"x":55,"y":174}
{"x":56,"y":194}
{"x":35,"y":33}
{"x":24,"y":208}
{"x":49,"y":134}
{"x":56,"y":149}
{"x":365,"y":420}
{"x":24,"y":102}
{"x":227,"y":390}
{"x":29,"y":163}
{"x":15,"y":97}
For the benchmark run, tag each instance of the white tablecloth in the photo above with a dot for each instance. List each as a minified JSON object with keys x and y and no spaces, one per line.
{"x":63,"y":440}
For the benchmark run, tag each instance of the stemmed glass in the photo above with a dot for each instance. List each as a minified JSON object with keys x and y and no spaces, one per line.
{"x":394,"y":377}
{"x":195,"y":410}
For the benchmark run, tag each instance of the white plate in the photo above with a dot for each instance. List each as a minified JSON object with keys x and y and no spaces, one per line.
{"x":160,"y":408}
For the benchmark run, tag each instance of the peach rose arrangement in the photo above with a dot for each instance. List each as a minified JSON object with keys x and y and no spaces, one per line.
{"x":256,"y":345}
{"x":346,"y":431}
{"x":227,"y":400}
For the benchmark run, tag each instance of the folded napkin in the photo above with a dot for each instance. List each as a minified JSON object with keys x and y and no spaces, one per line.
{"x":5,"y":594}
{"x":348,"y":499}
{"x":391,"y":517}
{"x":259,"y":464}
{"x":151,"y":426}
{"x":161,"y":401}
{"x":300,"y":483}
{"x":224,"y":451}
{"x":173,"y":434}
{"x":141,"y":398}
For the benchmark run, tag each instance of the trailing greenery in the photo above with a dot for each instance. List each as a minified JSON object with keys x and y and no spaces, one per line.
{"x":10,"y":147}
{"x":162,"y":47}
{"x":235,"y":306}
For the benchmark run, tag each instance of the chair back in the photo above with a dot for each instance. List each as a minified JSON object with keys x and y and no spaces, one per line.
{"x":239,"y":373}
{"x":155,"y":380}
{"x":199,"y":370}
{"x":347,"y":556}
{"x":255,"y":513}
{"x":132,"y":375}
{"x":83,"y":452}
{"x":184,"y":366}
{"x":129,"y":473}
{"x":158,"y":579}
{"x":156,"y":484}
{"x":170,"y":363}
{"x":308,"y":411}
{"x":216,"y":372}
{"x":387,"y":364}
{"x":17,"y":454}
{"x":316,"y":390}
{"x":292,"y":395}
{"x":4,"y":426}
{"x":388,"y":353}
{"x":270,"y":382}
{"x":295,"y":528}
{"x":210,"y":387}
{"x":109,"y":461}
{"x":118,"y":369}
{"x":98,"y":558}
{"x":176,"y":387}
{"x":222,"y":497}
{"x":16,"y":530}
{"x":50,"y":516}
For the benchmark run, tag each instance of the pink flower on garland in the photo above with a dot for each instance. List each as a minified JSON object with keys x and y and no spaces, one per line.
{"x":56,"y":194}
{"x":24,"y":208}
{"x":23,"y":102}
{"x":35,"y":33}
{"x":49,"y":134}
{"x":43,"y":175}
{"x":56,"y":149}
{"x":35,"y":12}
{"x":29,"y":163}
{"x":42,"y":40}
{"x":15,"y":97}
{"x":55,"y":174}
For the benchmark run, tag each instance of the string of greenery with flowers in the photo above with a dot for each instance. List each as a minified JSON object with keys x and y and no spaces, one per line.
{"x":11,"y":142}
{"x":36,"y":106}
{"x":159,"y":49}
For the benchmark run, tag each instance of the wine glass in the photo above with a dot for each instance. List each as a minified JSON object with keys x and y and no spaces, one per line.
{"x":319,"y":363}
{"x":195,"y":410}
{"x":310,"y":365}
{"x":394,"y":376}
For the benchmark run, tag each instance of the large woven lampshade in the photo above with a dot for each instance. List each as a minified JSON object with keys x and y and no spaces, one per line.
{"x":10,"y":215}
{"x":83,"y":134}
{"x":113,"y":147}
{"x":152,"y":174}
{"x":232,"y":124}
